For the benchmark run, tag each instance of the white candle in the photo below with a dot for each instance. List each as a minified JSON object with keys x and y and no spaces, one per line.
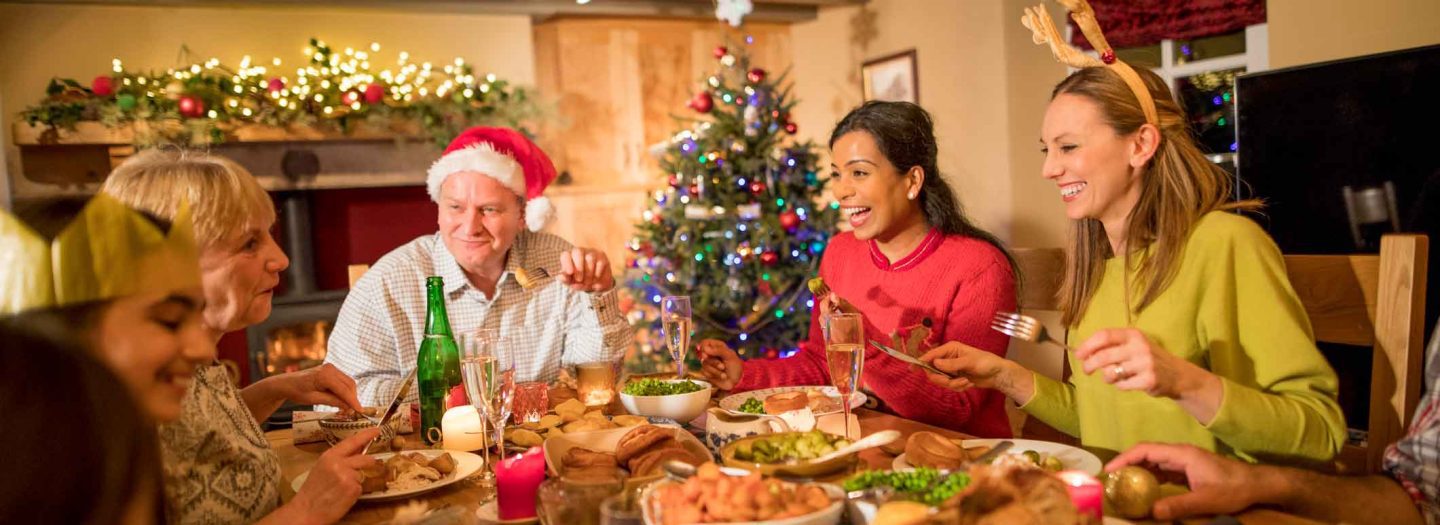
{"x":462,"y":430}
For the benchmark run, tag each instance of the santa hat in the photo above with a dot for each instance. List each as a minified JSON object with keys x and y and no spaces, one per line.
{"x":505,"y":155}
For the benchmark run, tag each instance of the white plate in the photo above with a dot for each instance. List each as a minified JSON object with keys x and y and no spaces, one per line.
{"x":465,"y":465}
{"x":733,"y":401}
{"x":1073,"y":458}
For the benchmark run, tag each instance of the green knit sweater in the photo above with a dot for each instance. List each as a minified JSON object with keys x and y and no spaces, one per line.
{"x":1230,"y":309}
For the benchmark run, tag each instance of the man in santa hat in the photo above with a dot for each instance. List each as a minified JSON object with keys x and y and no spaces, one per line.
{"x":489,"y":187}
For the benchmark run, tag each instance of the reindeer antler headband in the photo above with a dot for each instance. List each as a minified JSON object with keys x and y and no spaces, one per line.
{"x":1037,"y":19}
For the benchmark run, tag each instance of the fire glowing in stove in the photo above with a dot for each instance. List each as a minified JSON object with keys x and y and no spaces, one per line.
{"x":295,"y":347}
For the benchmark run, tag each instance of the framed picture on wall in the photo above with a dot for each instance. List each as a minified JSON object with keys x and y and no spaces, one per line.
{"x":892,"y":78}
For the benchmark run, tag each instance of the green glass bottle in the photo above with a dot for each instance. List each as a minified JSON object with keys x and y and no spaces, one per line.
{"x":439,"y":361}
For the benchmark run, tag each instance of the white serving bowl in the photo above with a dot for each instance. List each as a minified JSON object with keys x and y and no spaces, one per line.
{"x":680,"y":407}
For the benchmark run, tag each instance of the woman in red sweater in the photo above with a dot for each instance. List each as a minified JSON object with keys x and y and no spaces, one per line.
{"x":911,"y":257}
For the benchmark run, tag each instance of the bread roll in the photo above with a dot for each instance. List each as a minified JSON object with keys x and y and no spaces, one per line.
{"x":640,"y":439}
{"x":651,"y":461}
{"x":928,"y":449}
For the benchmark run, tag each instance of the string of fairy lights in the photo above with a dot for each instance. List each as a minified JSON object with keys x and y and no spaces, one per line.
{"x":328,"y":84}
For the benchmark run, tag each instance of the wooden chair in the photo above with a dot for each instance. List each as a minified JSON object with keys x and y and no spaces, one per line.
{"x":356,"y":271}
{"x":1379,"y":302}
{"x":1041,"y":270}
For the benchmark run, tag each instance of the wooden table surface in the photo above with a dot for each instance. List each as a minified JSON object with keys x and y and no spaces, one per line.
{"x":296,"y":459}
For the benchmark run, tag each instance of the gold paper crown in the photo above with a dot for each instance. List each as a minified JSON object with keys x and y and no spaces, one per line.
{"x":1043,"y":31}
{"x":107,"y":251}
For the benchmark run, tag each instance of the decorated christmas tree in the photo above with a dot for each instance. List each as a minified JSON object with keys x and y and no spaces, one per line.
{"x":742,"y":225}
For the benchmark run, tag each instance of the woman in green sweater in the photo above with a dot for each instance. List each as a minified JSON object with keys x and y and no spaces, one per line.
{"x":1208,"y":344}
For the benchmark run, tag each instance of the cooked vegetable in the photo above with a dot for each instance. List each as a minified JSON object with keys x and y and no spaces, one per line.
{"x":925,"y":485}
{"x":786,"y":448}
{"x":658,"y":387}
{"x":753,"y":406}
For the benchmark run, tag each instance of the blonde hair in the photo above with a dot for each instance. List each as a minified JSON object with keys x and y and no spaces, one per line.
{"x":224,"y":197}
{"x":1178,"y":186}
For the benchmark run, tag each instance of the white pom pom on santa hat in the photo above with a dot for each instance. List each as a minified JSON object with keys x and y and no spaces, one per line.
{"x":505,"y":155}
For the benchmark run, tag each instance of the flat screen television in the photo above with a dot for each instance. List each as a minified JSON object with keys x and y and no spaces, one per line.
{"x":1343,"y":152}
{"x":1307,"y":133}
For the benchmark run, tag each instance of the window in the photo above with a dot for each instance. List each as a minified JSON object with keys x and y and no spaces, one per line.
{"x":1201,"y":73}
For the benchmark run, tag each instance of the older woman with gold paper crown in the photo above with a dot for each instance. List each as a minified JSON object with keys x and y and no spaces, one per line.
{"x":1187,"y":327}
{"x":219,"y":468}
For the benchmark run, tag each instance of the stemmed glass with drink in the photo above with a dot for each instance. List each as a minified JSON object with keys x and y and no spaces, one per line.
{"x":677,"y":325}
{"x":487,"y":366}
{"x":845,"y":356}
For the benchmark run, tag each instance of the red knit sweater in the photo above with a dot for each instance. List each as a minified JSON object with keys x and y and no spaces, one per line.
{"x":958,"y":282}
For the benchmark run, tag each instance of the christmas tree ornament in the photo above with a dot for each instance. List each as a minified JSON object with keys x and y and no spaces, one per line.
{"x":748,"y":212}
{"x":275,"y":85}
{"x":769,"y":258}
{"x":733,"y":11}
{"x":702,"y":102}
{"x":674,"y":180}
{"x":756,"y":75}
{"x":350,"y":97}
{"x":727,"y":61}
{"x":789,"y":220}
{"x":103,"y":86}
{"x":721,"y":51}
{"x":791,"y":128}
{"x":752,"y":121}
{"x":174,"y":90}
{"x":125,"y":101}
{"x":191,"y":106}
{"x":374,"y":94}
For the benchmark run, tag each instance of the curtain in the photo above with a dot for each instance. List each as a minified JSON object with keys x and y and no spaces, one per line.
{"x":1134,"y":23}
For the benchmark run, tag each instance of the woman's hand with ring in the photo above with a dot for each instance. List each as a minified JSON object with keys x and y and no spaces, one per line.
{"x":1128,"y":359}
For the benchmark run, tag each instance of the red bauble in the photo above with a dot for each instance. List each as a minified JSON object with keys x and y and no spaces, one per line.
{"x":756,"y":75}
{"x":769,"y":258}
{"x":791,"y":128}
{"x":721,"y":51}
{"x":191,"y":106}
{"x":789,"y":220}
{"x":374,"y":93}
{"x":765,"y":289}
{"x":350,"y":97}
{"x":275,"y":85}
{"x":1108,"y":57}
{"x":702,"y":102}
{"x":757,"y":187}
{"x":674,"y":181}
{"x":103,"y":86}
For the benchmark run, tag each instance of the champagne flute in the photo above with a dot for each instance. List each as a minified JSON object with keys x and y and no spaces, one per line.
{"x":845,"y":357}
{"x":487,"y":366}
{"x":676,"y":323}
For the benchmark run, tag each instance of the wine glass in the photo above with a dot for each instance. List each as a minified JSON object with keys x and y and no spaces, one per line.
{"x":676,"y":323}
{"x":845,"y":356}
{"x":487,"y":366}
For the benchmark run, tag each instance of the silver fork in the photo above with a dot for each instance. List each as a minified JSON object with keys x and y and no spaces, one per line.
{"x":1023,"y":327}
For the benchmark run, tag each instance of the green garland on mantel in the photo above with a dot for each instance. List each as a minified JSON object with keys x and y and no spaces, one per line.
{"x":331,"y":92}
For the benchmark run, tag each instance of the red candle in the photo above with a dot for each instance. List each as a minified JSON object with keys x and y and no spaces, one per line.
{"x":1086,"y":492}
{"x":517,"y":479}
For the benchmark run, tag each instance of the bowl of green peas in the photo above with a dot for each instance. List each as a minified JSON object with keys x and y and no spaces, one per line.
{"x":788,"y":454}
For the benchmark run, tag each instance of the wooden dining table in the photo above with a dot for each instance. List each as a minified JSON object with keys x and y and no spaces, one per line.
{"x":468,"y":494}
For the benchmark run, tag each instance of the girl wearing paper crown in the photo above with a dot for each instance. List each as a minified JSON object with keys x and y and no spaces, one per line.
{"x":555,"y":302}
{"x":1184,"y":325}
{"x":124,"y":285}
